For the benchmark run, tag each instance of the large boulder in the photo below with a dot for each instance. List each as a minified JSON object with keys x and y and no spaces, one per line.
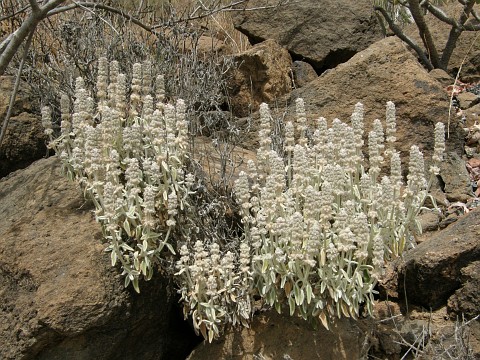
{"x":322,"y":33}
{"x":387,"y":71}
{"x":60,"y":297}
{"x":273,"y":336}
{"x":262,"y":75}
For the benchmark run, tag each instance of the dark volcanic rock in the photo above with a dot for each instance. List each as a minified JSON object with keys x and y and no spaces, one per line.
{"x":322,"y":33}
{"x":60,"y":297}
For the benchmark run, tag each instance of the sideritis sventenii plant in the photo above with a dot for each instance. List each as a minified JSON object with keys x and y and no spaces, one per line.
{"x":128,"y":154}
{"x":318,"y":222}
{"x":318,"y":226}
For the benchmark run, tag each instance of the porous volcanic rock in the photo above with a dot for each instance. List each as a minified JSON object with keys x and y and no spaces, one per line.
{"x":322,"y":33}
{"x":24,"y":140}
{"x":60,"y":297}
{"x":262,"y":75}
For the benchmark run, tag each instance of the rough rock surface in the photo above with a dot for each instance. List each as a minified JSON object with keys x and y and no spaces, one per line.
{"x":263,"y":75}
{"x":273,"y":336}
{"x":303,"y":73}
{"x":387,"y":71}
{"x":322,"y":33}
{"x":438,"y":267}
{"x":466,"y":300}
{"x":61,"y":299}
{"x":24,"y":140}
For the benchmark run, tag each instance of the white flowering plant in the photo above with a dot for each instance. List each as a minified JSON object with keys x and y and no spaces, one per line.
{"x":129,"y":155}
{"x":318,"y":222}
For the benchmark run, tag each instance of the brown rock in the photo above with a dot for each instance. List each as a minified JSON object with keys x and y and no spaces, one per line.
{"x":386,"y":71}
{"x":24,"y":140}
{"x":429,"y":219}
{"x":467,"y":100}
{"x":263,"y":75}
{"x":323,"y":34}
{"x":455,"y":176}
{"x":61,"y":299}
{"x":472,"y":115}
{"x":442,"y":77}
{"x":466,"y":300}
{"x":273,"y":336}
{"x":431,"y":272}
{"x":303,"y":73}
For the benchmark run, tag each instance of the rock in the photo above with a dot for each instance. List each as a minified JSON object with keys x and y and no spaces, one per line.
{"x":273,"y":336}
{"x":432,"y":271}
{"x":61,"y":299}
{"x":466,"y":300}
{"x":442,"y":77}
{"x":24,"y":140}
{"x":263,"y":75}
{"x":455,"y":176}
{"x":429,"y":219}
{"x":303,"y":73}
{"x":467,"y":100}
{"x":386,"y":71}
{"x":472,"y":115}
{"x":323,"y":34}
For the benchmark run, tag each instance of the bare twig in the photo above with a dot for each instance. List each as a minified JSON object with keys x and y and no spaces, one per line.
{"x":102,"y":7}
{"x":9,"y":16}
{"x":15,"y":88}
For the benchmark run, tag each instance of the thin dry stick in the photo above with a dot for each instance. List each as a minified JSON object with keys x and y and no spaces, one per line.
{"x":15,"y":88}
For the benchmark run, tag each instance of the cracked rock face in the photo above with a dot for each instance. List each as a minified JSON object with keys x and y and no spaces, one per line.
{"x":61,"y":299}
{"x":322,"y":33}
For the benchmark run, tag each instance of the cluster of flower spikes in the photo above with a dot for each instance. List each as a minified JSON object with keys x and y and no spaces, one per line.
{"x":320,"y":225}
{"x":215,"y":287}
{"x":128,"y":153}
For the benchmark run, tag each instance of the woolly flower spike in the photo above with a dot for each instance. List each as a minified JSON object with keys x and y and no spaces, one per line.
{"x":135,"y":97}
{"x":396,"y":169}
{"x":47,"y":121}
{"x":416,"y":168}
{"x":242,"y":192}
{"x":148,"y":205}
{"x":391,"y":124}
{"x":289,"y":142}
{"x":147,"y":78}
{"x":265,"y":129}
{"x":66,"y":124}
{"x":301,"y":121}
{"x":378,"y":255}
{"x":439,"y":149}
{"x":357,"y":125}
{"x":121,"y":95}
{"x":182,"y":127}
{"x":374,"y":150}
{"x":112,"y":86}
